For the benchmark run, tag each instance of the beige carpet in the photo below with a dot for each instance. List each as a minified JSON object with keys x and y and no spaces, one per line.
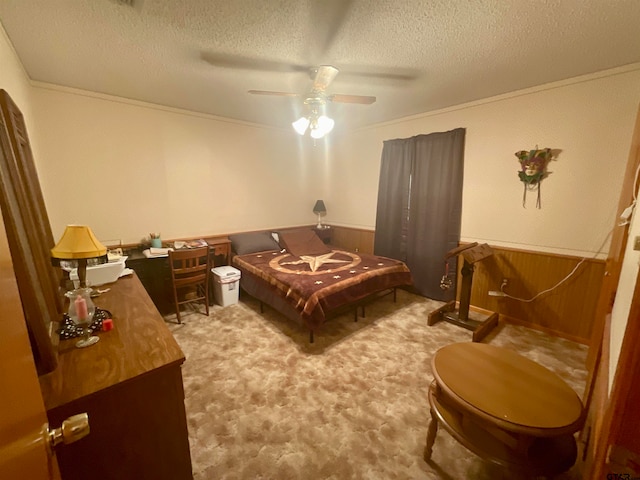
{"x":263,"y":403}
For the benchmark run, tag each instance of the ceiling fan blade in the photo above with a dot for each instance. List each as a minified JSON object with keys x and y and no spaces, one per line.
{"x":323,"y":76}
{"x":268,"y":92}
{"x":361,"y":99}
{"x":379,"y":74}
{"x":250,"y":63}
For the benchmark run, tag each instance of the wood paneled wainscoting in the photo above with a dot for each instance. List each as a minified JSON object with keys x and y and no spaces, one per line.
{"x":567,"y":311}
{"x":353,"y":239}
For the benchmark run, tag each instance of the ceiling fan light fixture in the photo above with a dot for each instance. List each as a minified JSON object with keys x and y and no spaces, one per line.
{"x":317,"y":133}
{"x":301,"y":125}
{"x":321,"y":126}
{"x":316,"y":100}
{"x":325,"y":123}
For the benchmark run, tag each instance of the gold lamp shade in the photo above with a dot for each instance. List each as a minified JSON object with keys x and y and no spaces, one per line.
{"x":78,"y":241}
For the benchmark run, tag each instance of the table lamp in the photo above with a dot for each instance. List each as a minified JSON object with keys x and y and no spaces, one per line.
{"x":79,"y":244}
{"x":319,"y":209}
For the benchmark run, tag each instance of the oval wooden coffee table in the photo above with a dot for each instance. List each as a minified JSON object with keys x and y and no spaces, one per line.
{"x":504,"y":407}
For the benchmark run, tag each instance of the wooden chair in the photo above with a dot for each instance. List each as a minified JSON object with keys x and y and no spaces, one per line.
{"x":190,"y":277}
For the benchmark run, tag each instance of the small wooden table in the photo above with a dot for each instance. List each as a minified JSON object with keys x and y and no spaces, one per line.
{"x":504,"y":407}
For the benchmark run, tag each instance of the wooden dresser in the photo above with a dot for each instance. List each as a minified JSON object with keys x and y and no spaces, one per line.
{"x":130,"y":384}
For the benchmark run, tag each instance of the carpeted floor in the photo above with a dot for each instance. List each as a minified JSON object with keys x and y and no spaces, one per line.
{"x":263,"y":403}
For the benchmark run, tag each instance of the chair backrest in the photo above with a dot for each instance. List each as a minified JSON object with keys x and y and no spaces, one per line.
{"x":189,"y":266}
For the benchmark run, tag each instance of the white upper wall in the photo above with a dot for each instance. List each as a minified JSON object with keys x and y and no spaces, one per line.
{"x":128,"y":169}
{"x":14,"y":80}
{"x":590,"y":119}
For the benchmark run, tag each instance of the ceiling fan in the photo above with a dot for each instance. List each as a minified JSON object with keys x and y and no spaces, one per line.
{"x":318,"y":123}
{"x":322,"y":77}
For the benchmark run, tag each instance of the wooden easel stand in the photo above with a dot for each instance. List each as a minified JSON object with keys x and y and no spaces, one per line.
{"x":471,"y":254}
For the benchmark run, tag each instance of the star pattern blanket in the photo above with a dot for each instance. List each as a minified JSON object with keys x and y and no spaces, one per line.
{"x":317,"y":285}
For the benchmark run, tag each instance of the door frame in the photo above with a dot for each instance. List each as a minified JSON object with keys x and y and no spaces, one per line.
{"x":615,"y":413}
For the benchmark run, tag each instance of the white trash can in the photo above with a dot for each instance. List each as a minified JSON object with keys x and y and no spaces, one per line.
{"x":226,"y":283}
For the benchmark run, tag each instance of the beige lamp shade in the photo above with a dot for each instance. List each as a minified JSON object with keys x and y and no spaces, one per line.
{"x":77,"y":242}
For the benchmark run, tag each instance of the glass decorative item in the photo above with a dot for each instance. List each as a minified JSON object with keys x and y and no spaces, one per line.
{"x":81,"y":312}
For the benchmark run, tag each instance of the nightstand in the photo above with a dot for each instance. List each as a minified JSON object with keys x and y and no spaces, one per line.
{"x":323,"y":233}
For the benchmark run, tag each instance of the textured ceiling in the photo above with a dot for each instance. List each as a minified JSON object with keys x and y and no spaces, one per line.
{"x":413,"y":55}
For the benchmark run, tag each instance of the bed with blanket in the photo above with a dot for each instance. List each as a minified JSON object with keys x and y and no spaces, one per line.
{"x":306,"y":280}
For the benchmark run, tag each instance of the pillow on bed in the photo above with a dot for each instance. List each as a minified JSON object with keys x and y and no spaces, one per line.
{"x":243,"y":243}
{"x":303,"y":242}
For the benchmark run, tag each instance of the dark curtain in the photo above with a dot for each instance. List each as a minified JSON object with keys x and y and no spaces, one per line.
{"x":420,"y":206}
{"x":393,"y":195}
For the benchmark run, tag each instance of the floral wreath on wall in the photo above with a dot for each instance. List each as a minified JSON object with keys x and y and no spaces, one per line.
{"x":533,"y":169}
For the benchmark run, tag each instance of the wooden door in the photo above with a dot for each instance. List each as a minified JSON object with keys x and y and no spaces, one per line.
{"x":23,"y":449}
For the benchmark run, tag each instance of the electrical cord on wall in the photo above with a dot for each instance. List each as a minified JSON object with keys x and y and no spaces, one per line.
{"x":582,"y":260}
{"x":625,"y":219}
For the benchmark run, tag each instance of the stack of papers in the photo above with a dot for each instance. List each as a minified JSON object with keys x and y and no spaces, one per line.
{"x":156,"y":252}
{"x":197,"y":243}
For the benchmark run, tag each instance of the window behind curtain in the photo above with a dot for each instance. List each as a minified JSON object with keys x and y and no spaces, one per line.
{"x":420,"y":205}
